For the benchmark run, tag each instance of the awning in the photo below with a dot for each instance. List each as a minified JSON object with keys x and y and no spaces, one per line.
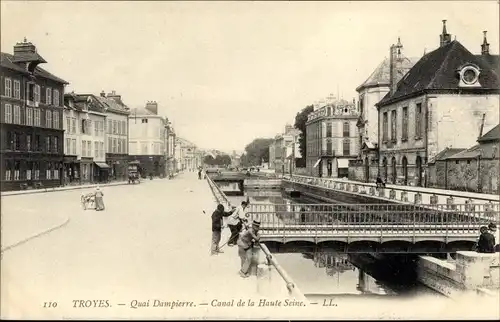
{"x":317,"y":163}
{"x":343,"y":163}
{"x":102,"y":165}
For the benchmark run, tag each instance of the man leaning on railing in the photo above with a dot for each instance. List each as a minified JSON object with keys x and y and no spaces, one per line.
{"x":246,"y":242}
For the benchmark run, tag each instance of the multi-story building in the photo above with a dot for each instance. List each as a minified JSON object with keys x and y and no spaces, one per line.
{"x":284,"y":145}
{"x":371,"y":91}
{"x":147,"y":139}
{"x":85,"y":139}
{"x":116,"y":129}
{"x":332,"y":139}
{"x":170,"y":149}
{"x":442,"y":102}
{"x":31,"y":121}
{"x":189,"y":159}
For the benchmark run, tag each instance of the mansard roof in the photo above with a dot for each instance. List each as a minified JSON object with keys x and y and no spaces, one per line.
{"x":7,"y":61}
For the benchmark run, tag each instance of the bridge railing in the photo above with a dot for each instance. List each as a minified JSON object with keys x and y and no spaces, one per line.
{"x":219,"y":195}
{"x":399,"y":193}
{"x":370,"y":218}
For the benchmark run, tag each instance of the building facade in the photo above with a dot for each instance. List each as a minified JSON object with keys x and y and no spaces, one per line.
{"x":147,"y":140}
{"x":442,"y":102}
{"x":189,"y":158}
{"x":370,"y":92}
{"x":31,"y":121}
{"x":332,"y":139}
{"x":285,"y":148}
{"x":170,"y":149}
{"x":85,"y":140}
{"x":116,"y":129}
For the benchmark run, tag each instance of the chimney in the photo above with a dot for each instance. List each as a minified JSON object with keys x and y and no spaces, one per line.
{"x":103,"y":94}
{"x":117,"y":98}
{"x":445,"y":37}
{"x":23,"y":48}
{"x":395,"y":66}
{"x":152,"y":107}
{"x":485,"y":47}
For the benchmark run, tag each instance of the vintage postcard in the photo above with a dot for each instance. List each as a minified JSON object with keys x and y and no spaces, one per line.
{"x":250,"y":160}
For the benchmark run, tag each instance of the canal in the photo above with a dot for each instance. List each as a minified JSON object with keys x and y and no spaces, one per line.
{"x":324,"y":275}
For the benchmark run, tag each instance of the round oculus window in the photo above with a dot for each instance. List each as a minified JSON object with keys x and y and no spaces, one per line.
{"x":469,"y":76}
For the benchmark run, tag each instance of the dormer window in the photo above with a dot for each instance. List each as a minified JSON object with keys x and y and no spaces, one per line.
{"x":469,"y":76}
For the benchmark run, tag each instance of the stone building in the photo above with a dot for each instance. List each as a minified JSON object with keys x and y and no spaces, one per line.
{"x":31,"y":121}
{"x":332,"y":139}
{"x":85,"y":140}
{"x":147,"y":139}
{"x":371,"y":91}
{"x":440,"y":103}
{"x":283,"y":146}
{"x":474,"y":169}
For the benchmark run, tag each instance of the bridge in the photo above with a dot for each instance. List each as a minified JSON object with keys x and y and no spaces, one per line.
{"x":370,"y":227}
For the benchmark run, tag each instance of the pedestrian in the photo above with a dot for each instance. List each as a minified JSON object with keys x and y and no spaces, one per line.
{"x":379,"y":182}
{"x":486,"y":242}
{"x":246,"y":242}
{"x":235,"y":222}
{"x":99,"y":201}
{"x":199,"y":174}
{"x":217,"y":218}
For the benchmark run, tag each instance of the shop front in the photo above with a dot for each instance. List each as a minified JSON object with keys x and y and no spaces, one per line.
{"x":101,"y":172}
{"x":117,"y":166}
{"x":71,"y":170}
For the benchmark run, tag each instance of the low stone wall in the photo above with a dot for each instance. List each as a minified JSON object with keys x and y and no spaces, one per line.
{"x":469,"y":272}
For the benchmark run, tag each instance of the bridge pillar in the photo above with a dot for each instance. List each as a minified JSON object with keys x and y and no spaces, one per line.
{"x":404,"y":196}
{"x":392,"y":194}
{"x":433,"y":200}
{"x":450,"y":203}
{"x":418,"y":198}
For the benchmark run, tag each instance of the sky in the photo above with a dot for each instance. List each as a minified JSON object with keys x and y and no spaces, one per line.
{"x":225,"y":73}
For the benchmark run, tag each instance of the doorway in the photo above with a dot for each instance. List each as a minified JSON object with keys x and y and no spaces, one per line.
{"x":329,"y":168}
{"x":405,"y":170}
{"x":419,"y":171}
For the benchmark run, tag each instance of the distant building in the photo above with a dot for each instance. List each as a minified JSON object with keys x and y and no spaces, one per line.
{"x":147,"y":139}
{"x":332,"y":139}
{"x":283,"y":149}
{"x":189,"y":158}
{"x":440,"y":103}
{"x":272,"y":155}
{"x":31,"y":121}
{"x":170,"y":149}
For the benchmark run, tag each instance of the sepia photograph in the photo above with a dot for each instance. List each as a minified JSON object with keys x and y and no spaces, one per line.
{"x":250,"y":160}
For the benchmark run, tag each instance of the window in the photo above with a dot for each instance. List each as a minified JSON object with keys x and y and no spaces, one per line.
{"x":144,"y":121}
{"x":89,"y":127}
{"x":56,"y":97}
{"x":393,"y":125}
{"x":36,"y":170}
{"x":329,"y":131}
{"x":115,"y":127}
{"x":346,"y":147}
{"x":17,"y":89}
{"x":55,"y":116}
{"x":48,"y":96}
{"x":29,"y":116}
{"x":346,"y":130}
{"x":124,"y":126}
{"x":68,"y":124}
{"x":48,"y":118}
{"x":36,"y":91}
{"x":110,"y":144}
{"x":96,"y":149}
{"x":114,"y":145}
{"x":89,"y":148}
{"x":144,"y":148}
{"x":8,"y":171}
{"x":418,"y":121}
{"x":101,"y":144}
{"x":110,"y":126}
{"x":96,"y":128}
{"x":47,"y":144}
{"x":49,"y":170}
{"x":404,"y":135}
{"x":384,"y":127}
{"x":8,"y":87}
{"x":84,"y":148}
{"x":119,"y":142}
{"x":28,"y":142}
{"x":73,"y":146}
{"x":56,"y":171}
{"x":29,"y":167}
{"x":67,"y":148}
{"x":73,"y":125}
{"x":37,"y":143}
{"x":83,"y":129}
{"x":8,"y":113}
{"x":37,"y":116}
{"x":17,"y":168}
{"x":17,"y":114}
{"x":16,"y":141}
{"x":56,"y":144}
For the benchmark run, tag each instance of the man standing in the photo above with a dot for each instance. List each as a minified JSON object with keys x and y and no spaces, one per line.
{"x":217,"y":218}
{"x":486,"y":242}
{"x":245,"y":247}
{"x":235,"y":222}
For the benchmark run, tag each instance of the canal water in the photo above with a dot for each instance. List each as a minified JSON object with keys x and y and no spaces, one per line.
{"x":323,"y":275}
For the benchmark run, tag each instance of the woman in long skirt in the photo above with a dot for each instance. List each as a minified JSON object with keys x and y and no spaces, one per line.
{"x":99,"y":201}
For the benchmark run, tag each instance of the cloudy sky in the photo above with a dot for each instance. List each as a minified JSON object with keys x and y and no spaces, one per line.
{"x":227,"y":72}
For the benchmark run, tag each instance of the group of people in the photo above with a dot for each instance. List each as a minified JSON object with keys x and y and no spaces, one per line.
{"x":243,"y":234}
{"x":486,"y":241}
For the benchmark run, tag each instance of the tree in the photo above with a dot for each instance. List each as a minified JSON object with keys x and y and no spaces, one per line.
{"x":209,"y":160}
{"x":256,"y":151}
{"x":223,"y":159}
{"x":300,"y":123}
